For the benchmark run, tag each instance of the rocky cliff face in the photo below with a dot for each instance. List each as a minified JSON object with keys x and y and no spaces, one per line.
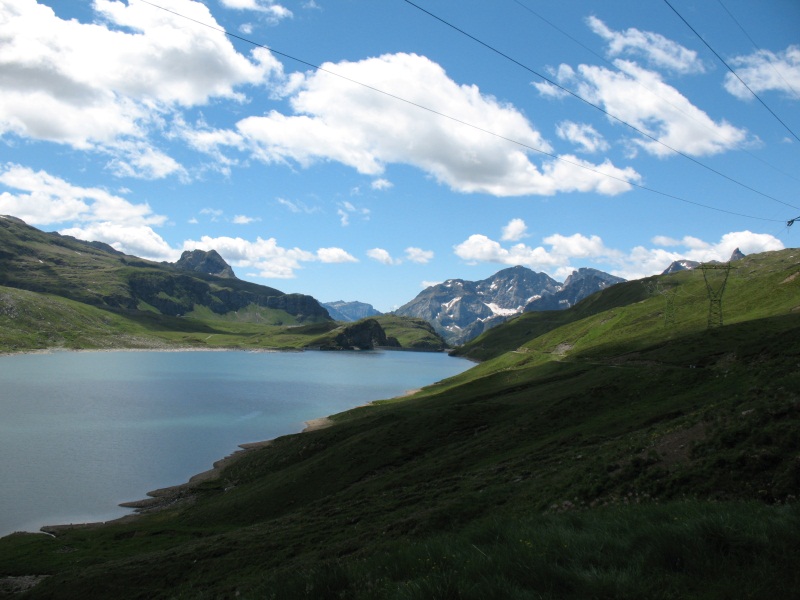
{"x":364,"y":335}
{"x":461,"y":310}
{"x":350,"y":311}
{"x":210,"y":263}
{"x":580,"y":284}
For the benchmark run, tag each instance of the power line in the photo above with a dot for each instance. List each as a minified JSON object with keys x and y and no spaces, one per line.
{"x":747,"y":35}
{"x":722,"y":60}
{"x":596,"y":106}
{"x":457,"y":120}
{"x":688,"y":116}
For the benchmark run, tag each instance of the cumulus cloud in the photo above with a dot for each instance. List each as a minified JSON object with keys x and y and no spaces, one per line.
{"x":138,"y":240}
{"x":335,"y":255}
{"x":418,"y":255}
{"x":641,"y":98}
{"x":265,"y":256}
{"x":382,"y":256}
{"x":515,"y":230}
{"x":108,"y":85}
{"x":275,"y":12}
{"x":657,"y":50}
{"x":582,"y":134}
{"x":43,"y":199}
{"x":338,"y":120}
{"x":765,"y":71}
{"x":558,"y":252}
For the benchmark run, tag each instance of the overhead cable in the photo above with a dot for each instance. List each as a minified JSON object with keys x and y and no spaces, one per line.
{"x":597,"y":106}
{"x":643,"y":86}
{"x":752,"y":41}
{"x":457,"y":120}
{"x":735,"y":74}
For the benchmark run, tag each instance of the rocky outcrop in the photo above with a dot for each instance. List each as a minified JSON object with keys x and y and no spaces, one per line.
{"x":364,"y":335}
{"x":210,"y":263}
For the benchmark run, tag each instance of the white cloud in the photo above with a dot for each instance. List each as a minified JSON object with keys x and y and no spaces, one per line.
{"x":381,"y":184}
{"x":109,"y":85}
{"x":339,"y":120}
{"x":296,"y":206}
{"x":275,"y":12}
{"x":347,"y":209}
{"x":139,"y":240}
{"x":244,"y":219}
{"x":558,"y":251}
{"x":583,"y":135}
{"x":577,"y":246}
{"x":641,"y":98}
{"x":382,"y":256}
{"x":270,"y":260}
{"x":418,"y":255}
{"x":43,"y":199}
{"x":214,"y":213}
{"x":514,"y":231}
{"x":655,"y":48}
{"x":479,"y":248}
{"x":335,"y":255}
{"x":764,"y":71}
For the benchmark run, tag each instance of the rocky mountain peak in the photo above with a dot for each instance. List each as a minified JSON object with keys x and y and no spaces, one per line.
{"x":208,"y":262}
{"x":459,"y":310}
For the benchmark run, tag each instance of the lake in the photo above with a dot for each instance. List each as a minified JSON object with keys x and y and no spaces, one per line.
{"x":81,"y":432}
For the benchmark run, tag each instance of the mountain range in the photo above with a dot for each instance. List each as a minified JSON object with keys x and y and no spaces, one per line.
{"x":350,"y":311}
{"x":460,"y":310}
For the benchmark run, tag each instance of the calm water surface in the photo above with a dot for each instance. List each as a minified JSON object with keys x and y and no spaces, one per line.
{"x":81,"y":432}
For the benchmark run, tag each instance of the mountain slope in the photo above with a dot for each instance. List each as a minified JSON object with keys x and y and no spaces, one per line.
{"x":98,"y":275}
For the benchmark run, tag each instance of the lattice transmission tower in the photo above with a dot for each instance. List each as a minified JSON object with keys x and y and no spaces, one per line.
{"x":668,"y":293}
{"x":716,"y":288}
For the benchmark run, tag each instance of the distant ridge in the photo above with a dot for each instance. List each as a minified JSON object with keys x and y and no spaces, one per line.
{"x":350,"y":311}
{"x":686,"y":265}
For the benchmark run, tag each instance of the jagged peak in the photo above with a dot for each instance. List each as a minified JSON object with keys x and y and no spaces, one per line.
{"x":205,"y":261}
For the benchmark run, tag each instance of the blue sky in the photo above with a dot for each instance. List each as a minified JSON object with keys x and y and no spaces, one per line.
{"x":418,"y":152}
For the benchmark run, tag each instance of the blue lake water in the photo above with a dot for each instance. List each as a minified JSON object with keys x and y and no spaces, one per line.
{"x":81,"y":432}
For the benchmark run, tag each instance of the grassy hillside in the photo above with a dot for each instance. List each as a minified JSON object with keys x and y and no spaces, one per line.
{"x":94,"y":273}
{"x":32,"y":321}
{"x":606,"y":456}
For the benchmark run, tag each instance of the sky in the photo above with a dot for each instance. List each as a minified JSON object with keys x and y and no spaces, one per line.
{"x":364,"y":149}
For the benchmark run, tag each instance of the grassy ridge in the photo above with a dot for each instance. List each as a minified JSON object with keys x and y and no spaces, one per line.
{"x":608,"y":457}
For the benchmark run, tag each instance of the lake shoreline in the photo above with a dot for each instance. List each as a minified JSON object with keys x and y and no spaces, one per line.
{"x":191,"y":489}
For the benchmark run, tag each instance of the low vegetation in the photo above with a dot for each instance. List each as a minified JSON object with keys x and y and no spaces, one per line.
{"x":600,"y":452}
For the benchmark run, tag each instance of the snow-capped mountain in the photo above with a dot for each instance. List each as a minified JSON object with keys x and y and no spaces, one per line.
{"x":460,"y":310}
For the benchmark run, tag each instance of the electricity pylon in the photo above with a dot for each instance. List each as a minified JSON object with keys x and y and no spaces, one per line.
{"x":715,"y":293}
{"x":668,"y":293}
